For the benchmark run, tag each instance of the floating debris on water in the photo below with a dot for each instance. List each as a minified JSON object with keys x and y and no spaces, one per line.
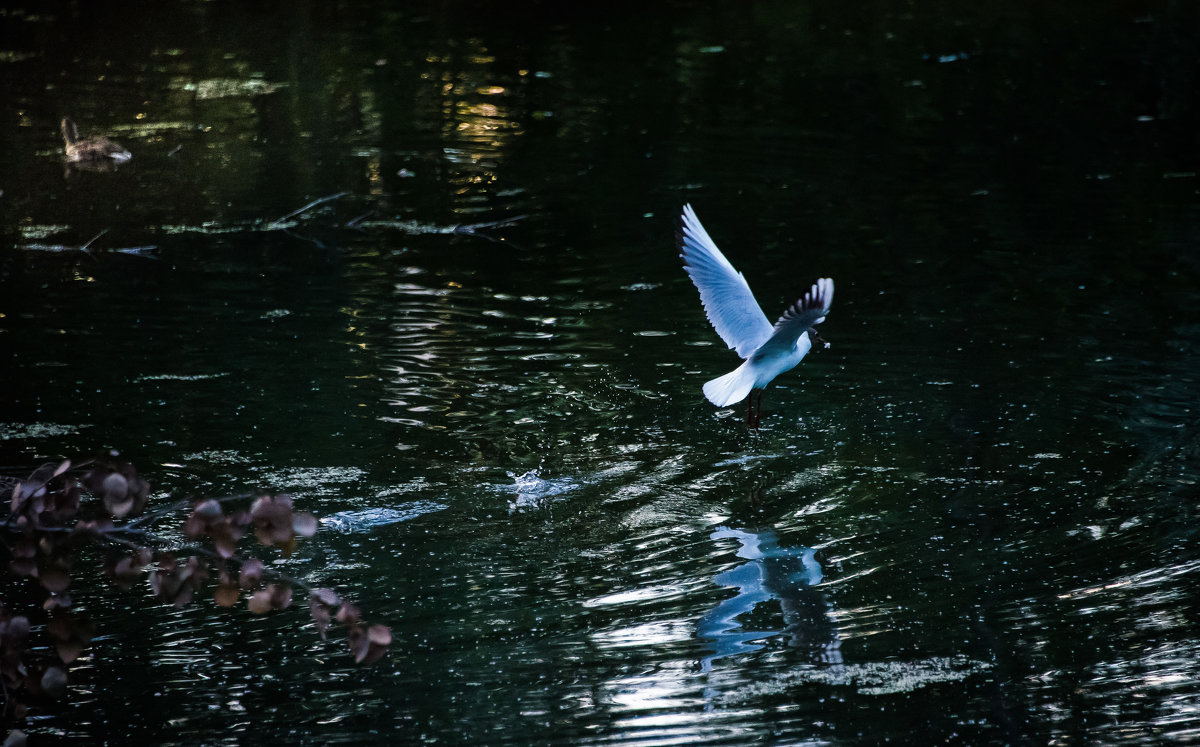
{"x":532,"y":490}
{"x":10,"y":431}
{"x":221,"y":88}
{"x":312,"y":480}
{"x":349,"y":522}
{"x":179,"y":377}
{"x":875,"y":678}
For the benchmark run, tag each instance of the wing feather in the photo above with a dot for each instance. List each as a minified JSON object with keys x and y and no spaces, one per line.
{"x":727,"y":298}
{"x":808,"y":311}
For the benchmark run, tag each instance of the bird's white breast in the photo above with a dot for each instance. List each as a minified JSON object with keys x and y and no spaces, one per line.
{"x":768,"y":364}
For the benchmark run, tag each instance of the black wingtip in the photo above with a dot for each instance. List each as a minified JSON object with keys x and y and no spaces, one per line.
{"x":813,"y":298}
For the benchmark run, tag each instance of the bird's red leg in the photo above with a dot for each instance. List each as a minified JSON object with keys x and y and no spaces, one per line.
{"x":754,"y":408}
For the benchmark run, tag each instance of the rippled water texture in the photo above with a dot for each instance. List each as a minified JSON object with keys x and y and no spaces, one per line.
{"x":971,"y":519}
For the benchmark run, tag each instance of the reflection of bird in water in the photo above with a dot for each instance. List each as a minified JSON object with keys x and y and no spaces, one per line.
{"x":91,"y":149}
{"x":790,"y":575}
{"x":768,"y":349}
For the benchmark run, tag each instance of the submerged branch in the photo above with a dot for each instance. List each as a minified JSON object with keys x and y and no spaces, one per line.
{"x":319,"y":201}
{"x":152,"y":516}
{"x":84,"y":248}
{"x":56,"y":512}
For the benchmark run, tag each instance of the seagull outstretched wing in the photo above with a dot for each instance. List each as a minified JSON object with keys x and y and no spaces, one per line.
{"x":808,"y":311}
{"x":726,"y":296}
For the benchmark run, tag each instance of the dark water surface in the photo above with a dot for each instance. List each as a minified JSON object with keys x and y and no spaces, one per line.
{"x":972,"y":520}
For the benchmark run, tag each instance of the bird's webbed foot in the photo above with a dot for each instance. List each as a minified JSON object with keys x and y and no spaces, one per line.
{"x":818,"y":342}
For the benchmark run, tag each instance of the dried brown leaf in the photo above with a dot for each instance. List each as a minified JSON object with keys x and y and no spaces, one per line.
{"x":365,"y":651}
{"x":71,"y":635}
{"x":260,"y":602}
{"x":282,"y":534}
{"x":68,"y":651}
{"x":17,"y":628}
{"x":119,"y":508}
{"x":66,"y":503}
{"x":251,"y":574}
{"x":326,"y":596}
{"x":226,"y":595}
{"x":287,"y":548}
{"x":272,"y":597}
{"x":128,"y":569}
{"x":359,"y":645}
{"x":272,"y":519}
{"x":208,"y":510}
{"x":22,"y":567}
{"x":54,"y":682}
{"x":321,"y":617}
{"x":195,"y":526}
{"x":321,"y":603}
{"x":54,"y":580}
{"x":168,"y":582}
{"x":380,"y":635}
{"x":260,"y":506}
{"x":183,"y":597}
{"x":304,"y":524}
{"x":224,"y":538}
{"x":124,"y":567}
{"x":197,"y":571}
{"x":348,"y":614}
{"x":139,"y":489}
{"x":115,"y":487}
{"x":57,"y":601}
{"x":281,"y":596}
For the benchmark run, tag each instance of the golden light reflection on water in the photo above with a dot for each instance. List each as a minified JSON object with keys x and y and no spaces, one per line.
{"x":478,"y":128}
{"x":485,"y":125}
{"x":374,"y":171}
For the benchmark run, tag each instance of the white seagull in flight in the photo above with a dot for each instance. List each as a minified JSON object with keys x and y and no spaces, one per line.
{"x":768,"y":349}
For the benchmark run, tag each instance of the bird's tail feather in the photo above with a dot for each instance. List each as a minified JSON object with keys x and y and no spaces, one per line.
{"x":730,"y":388}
